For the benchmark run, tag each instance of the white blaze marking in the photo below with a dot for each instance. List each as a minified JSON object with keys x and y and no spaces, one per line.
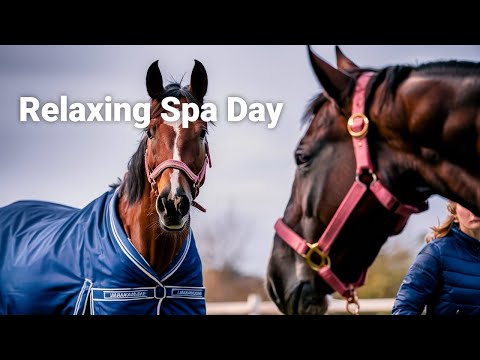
{"x":174,"y":180}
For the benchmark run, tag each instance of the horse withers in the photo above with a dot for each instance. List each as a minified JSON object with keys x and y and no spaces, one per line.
{"x":379,"y":143}
{"x":131,"y":250}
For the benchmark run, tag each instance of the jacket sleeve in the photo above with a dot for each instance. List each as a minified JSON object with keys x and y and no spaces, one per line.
{"x":420,"y":282}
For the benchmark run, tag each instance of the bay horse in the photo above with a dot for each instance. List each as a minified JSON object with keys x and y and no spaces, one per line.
{"x":379,"y":143}
{"x":129,"y":251}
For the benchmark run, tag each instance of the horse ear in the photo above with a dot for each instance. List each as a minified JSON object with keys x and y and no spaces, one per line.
{"x":199,"y":81}
{"x":154,"y":81}
{"x":335,"y":82}
{"x":344,"y":63}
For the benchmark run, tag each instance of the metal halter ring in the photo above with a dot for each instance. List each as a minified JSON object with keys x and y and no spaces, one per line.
{"x":353,"y":307}
{"x":324,"y":259}
{"x":363,"y":131}
{"x":372,"y":175}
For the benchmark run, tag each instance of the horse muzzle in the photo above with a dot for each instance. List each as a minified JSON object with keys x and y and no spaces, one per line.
{"x":173,"y":212}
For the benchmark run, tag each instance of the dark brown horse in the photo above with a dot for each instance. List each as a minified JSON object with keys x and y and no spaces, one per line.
{"x":379,"y":143}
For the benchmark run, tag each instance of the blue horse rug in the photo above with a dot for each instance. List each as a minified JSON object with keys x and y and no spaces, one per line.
{"x":54,"y":259}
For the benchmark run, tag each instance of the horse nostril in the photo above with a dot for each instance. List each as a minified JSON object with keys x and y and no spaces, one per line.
{"x":165,"y":204}
{"x":183,"y":206}
{"x":161,"y":205}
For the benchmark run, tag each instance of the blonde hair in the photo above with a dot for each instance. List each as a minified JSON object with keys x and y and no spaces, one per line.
{"x":443,"y":228}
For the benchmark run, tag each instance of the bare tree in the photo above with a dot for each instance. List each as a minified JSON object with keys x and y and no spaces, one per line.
{"x":222,"y":245}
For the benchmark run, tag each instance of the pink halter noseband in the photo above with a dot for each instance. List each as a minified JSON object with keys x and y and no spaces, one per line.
{"x":358,"y":128}
{"x":176,"y":164}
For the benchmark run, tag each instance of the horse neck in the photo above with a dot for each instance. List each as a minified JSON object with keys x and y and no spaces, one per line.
{"x":431,"y":123}
{"x":141,"y":224}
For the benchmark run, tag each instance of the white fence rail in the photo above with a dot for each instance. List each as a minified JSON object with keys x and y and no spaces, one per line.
{"x":255,"y":306}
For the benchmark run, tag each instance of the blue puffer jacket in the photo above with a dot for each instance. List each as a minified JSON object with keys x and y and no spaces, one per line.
{"x":445,"y":277}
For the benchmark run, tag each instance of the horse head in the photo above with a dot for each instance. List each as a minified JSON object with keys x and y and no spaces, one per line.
{"x":378,"y":144}
{"x":166,"y":172}
{"x":176,"y":157}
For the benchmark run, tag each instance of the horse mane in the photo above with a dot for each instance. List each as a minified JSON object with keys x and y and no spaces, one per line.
{"x":133,"y":184}
{"x":393,"y":76}
{"x":450,"y":68}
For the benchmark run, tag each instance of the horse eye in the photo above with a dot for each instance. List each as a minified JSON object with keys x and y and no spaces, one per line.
{"x":301,"y":158}
{"x":149,"y":134}
{"x":203,"y":133}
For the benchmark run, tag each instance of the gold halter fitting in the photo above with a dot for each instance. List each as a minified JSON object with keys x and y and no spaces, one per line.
{"x":363,"y":131}
{"x":314,"y":249}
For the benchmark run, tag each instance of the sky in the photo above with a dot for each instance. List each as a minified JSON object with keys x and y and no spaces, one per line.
{"x":253,"y":166}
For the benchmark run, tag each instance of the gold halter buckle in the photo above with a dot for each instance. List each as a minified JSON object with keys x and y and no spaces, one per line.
{"x":363,"y":131}
{"x":314,"y":249}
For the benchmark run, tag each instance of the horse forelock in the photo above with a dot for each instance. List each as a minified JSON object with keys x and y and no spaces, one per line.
{"x":176,"y":90}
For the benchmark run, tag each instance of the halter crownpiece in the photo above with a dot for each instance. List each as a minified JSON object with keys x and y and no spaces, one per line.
{"x":180,"y":165}
{"x":365,"y":180}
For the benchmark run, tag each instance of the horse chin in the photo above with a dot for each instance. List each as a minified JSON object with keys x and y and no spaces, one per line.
{"x":173,"y":227}
{"x":304,"y":300}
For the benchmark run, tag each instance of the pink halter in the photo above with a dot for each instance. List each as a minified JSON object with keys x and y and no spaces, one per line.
{"x":176,"y":164}
{"x":358,"y":128}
